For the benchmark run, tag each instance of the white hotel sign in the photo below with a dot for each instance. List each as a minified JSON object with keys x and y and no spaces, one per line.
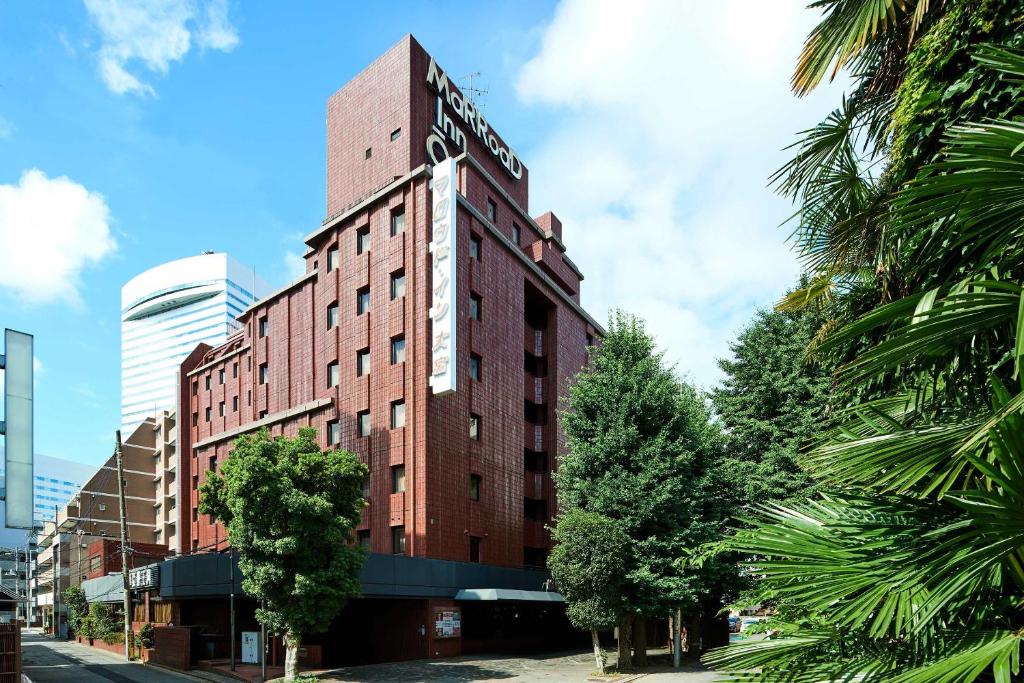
{"x":442,"y":258}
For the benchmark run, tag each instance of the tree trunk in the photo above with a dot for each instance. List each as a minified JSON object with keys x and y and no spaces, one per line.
{"x":625,"y":643}
{"x":291,"y":656}
{"x":598,"y":655}
{"x":640,"y":642}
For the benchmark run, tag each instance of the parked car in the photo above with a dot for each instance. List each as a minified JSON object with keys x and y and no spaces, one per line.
{"x":734,"y":624}
{"x":748,"y":621}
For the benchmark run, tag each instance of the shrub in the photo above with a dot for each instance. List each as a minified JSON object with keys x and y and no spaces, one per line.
{"x":146,"y":635}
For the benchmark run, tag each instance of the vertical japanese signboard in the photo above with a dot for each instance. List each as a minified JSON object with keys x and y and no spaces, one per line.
{"x":17,"y":428}
{"x":443,"y":269}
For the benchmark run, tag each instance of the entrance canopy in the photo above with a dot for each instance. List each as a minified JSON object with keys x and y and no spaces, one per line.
{"x":508,"y":594}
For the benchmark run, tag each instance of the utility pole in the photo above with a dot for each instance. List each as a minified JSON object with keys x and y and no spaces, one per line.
{"x":263,"y":648}
{"x":56,"y":576}
{"x":29,"y":574}
{"x":124,"y":548}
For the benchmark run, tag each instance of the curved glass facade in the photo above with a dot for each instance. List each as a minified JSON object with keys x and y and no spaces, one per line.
{"x":165,"y":312}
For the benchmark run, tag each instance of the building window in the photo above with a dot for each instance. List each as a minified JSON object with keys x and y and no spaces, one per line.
{"x":398,"y":540}
{"x":333,"y":376}
{"x":264,"y":327}
{"x":368,"y":153}
{"x":332,"y":315}
{"x":516,"y":234}
{"x":474,"y":247}
{"x":535,"y":557}
{"x":397,"y":223}
{"x":492,"y":210}
{"x":475,"y":304}
{"x":362,"y":300}
{"x":213,"y":464}
{"x":474,"y":487}
{"x":248,"y":398}
{"x":234,"y":404}
{"x":209,"y":413}
{"x":195,"y":419}
{"x":397,"y":414}
{"x":220,"y":409}
{"x":262,"y":414}
{"x":332,"y":259}
{"x":397,"y":284}
{"x":474,"y":427}
{"x":333,"y":433}
{"x":264,"y":373}
{"x":363,"y":538}
{"x":397,"y":350}
{"x":220,"y":376}
{"x":398,"y":479}
{"x":363,"y":420}
{"x":395,"y":134}
{"x":207,"y":382}
{"x":195,"y":388}
{"x":362,"y":362}
{"x":234,"y":371}
{"x":363,"y":240}
{"x":474,"y":366}
{"x":474,"y":549}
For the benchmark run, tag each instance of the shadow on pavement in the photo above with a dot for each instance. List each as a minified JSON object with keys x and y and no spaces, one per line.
{"x":415,"y":671}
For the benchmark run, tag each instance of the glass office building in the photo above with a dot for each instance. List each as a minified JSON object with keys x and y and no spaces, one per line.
{"x":55,"y":482}
{"x":165,"y":312}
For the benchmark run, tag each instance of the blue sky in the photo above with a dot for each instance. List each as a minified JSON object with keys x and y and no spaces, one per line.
{"x":136,"y":132}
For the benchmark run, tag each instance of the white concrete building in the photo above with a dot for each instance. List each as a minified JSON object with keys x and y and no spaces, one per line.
{"x":165,"y":312}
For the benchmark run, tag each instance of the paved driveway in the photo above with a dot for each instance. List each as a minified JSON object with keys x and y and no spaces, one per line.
{"x":45,"y":660}
{"x":560,"y":668}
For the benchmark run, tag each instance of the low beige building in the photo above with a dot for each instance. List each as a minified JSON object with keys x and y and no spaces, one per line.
{"x":150,"y":463}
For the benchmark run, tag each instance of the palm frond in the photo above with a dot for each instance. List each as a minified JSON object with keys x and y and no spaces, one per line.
{"x":848,"y":27}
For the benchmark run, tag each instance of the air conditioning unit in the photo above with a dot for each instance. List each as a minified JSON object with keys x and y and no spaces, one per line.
{"x":103,"y":507}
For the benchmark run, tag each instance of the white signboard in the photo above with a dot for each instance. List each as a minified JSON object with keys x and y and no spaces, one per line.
{"x":250,"y":647}
{"x":17,"y":426}
{"x":442,"y":260}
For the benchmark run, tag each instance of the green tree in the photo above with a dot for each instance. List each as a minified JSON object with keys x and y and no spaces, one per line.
{"x":586,"y":564}
{"x":772,"y":403}
{"x":102,"y":623}
{"x":78,"y":608}
{"x":912,"y":564}
{"x":641,"y":447}
{"x":290,"y":511}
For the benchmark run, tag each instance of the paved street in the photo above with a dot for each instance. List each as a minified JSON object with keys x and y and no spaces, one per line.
{"x":555,"y":668}
{"x":45,"y":660}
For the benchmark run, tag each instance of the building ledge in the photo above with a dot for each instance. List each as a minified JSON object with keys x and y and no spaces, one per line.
{"x":266,"y":421}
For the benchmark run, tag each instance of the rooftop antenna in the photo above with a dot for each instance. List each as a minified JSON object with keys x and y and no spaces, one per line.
{"x":475,"y":94}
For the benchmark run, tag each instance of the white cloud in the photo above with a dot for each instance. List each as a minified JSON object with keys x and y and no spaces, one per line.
{"x":51,"y":229}
{"x":670,"y":116}
{"x":155,"y":33}
{"x":294,"y":265}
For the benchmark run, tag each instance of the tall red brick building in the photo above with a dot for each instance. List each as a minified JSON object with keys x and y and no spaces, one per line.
{"x":459,"y":430}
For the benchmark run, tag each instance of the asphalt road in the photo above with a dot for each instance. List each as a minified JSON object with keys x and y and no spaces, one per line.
{"x":45,"y":660}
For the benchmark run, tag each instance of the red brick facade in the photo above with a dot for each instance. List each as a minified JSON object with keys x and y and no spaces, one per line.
{"x":104,"y":556}
{"x":530,"y":338}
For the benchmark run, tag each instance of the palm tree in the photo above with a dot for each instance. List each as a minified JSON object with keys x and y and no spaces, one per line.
{"x":912,"y":569}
